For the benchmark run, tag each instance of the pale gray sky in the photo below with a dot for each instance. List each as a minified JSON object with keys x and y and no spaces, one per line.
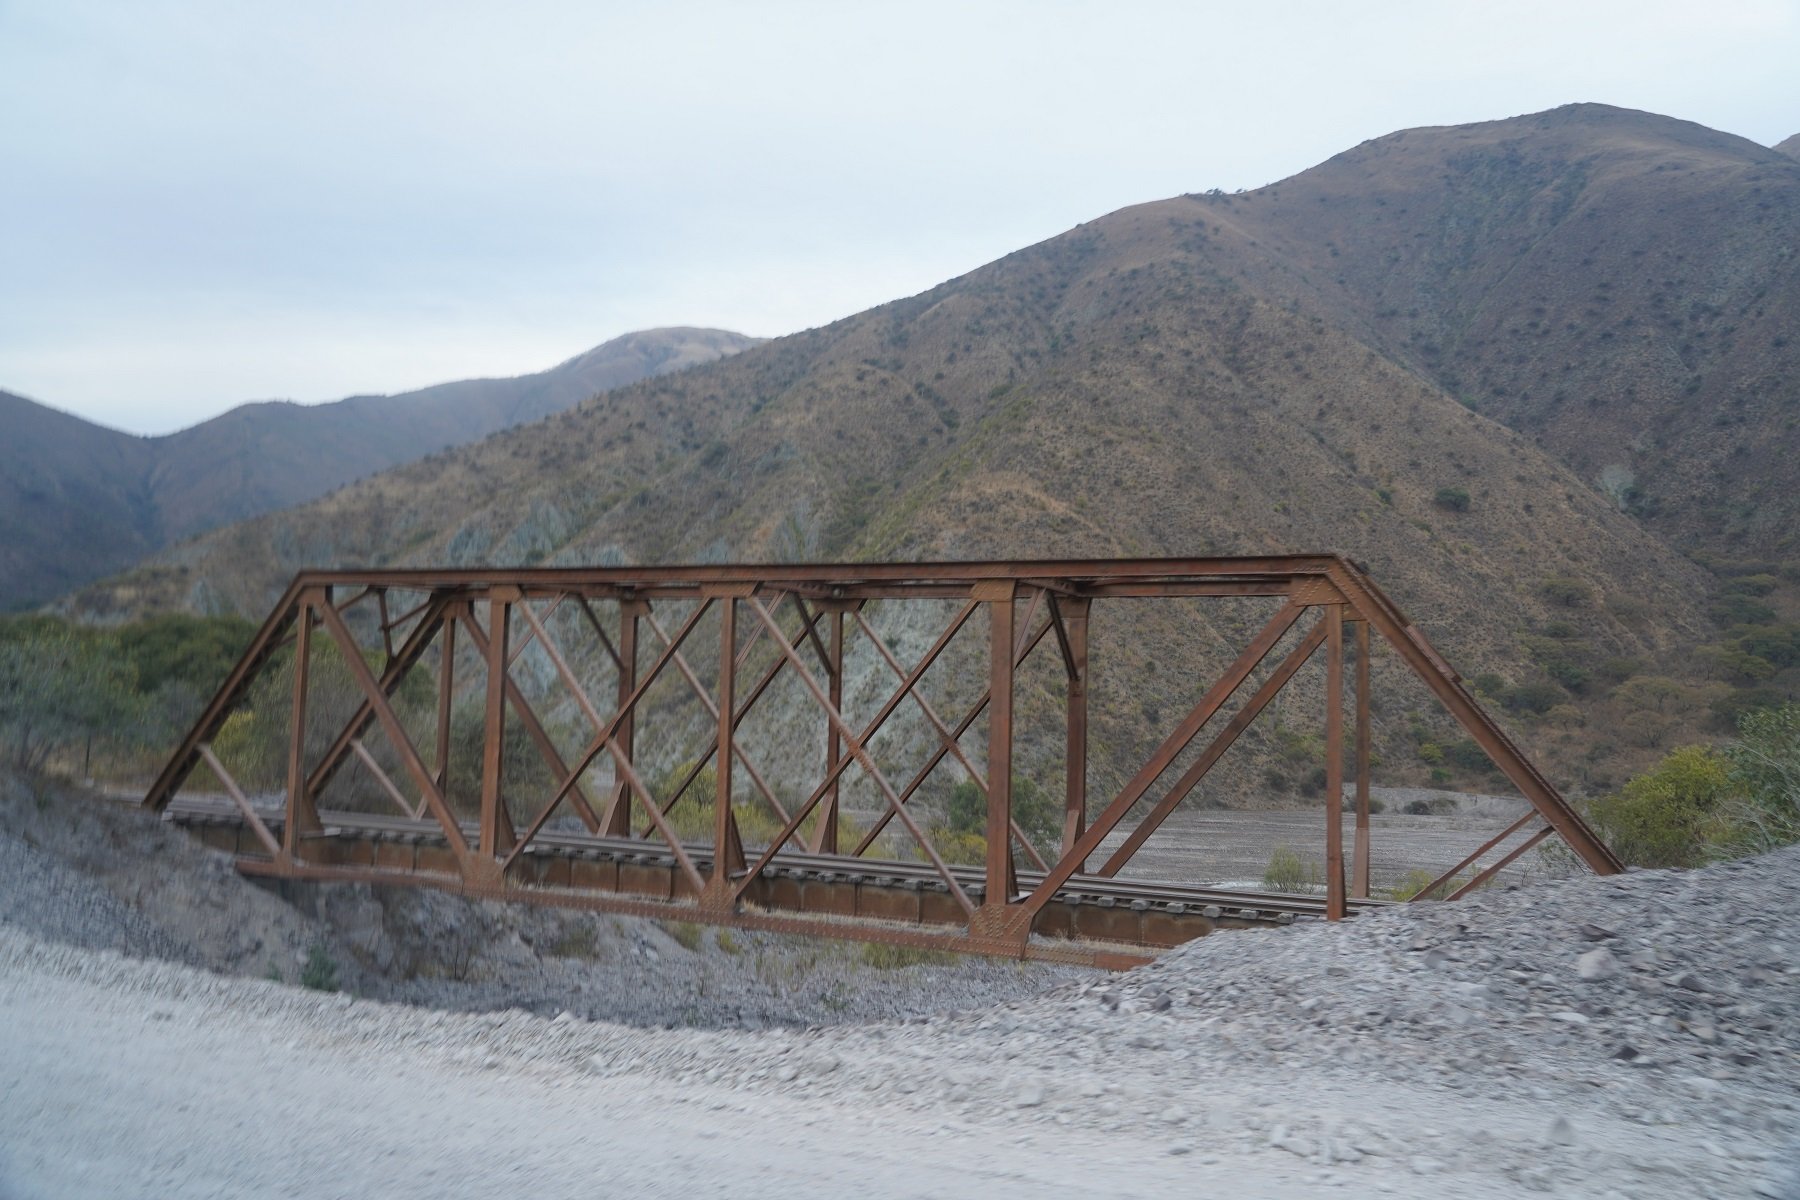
{"x":211,"y":202}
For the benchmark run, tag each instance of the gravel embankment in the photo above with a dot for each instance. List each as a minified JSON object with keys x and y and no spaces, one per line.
{"x":1630,"y":1037}
{"x":104,"y":875}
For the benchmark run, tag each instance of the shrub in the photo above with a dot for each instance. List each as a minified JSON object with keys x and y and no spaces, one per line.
{"x":1452,"y":499}
{"x":1672,"y":815}
{"x":1729,"y":709}
{"x":1654,"y":693}
{"x":1288,"y":872}
{"x":1416,"y":881}
{"x":686,"y":934}
{"x":1038,"y":813}
{"x":58,"y":686}
{"x":1431,"y":752}
{"x":1779,"y":645}
{"x":1467,"y":755}
{"x":1566,"y":591}
{"x":1533,"y":697}
{"x":1568,"y":674}
{"x":320,"y":971}
{"x":1489,"y":684}
{"x":1740,"y":610}
{"x":1618,"y":670}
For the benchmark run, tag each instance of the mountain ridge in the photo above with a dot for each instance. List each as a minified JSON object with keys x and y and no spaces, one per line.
{"x":78,"y":499}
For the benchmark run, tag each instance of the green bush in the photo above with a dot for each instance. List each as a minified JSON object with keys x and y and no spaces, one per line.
{"x":1452,"y":499}
{"x":320,"y":971}
{"x":1673,"y":815}
{"x":1566,"y":591}
{"x":1568,"y":674}
{"x":1740,"y":610}
{"x":1533,"y":697}
{"x":1288,"y":872}
{"x":1468,"y":755}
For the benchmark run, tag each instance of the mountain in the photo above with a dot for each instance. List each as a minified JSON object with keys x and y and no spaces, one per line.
{"x":1524,"y":370}
{"x":1621,"y":287}
{"x":1790,"y":147}
{"x":78,"y":501}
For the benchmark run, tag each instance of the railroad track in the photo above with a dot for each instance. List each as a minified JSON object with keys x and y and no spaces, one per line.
{"x":1093,"y":918}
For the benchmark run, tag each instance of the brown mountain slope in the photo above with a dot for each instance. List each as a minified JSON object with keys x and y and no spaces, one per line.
{"x":78,"y":501}
{"x":1790,"y":146}
{"x":1621,"y":286}
{"x":1109,"y":391}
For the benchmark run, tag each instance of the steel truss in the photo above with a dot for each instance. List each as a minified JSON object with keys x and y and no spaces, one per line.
{"x":625,"y":855}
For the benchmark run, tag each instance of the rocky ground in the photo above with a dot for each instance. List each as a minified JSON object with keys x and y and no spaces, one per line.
{"x":101,"y":874}
{"x":1632,"y":1037}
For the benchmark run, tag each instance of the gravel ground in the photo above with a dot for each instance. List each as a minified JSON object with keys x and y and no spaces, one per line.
{"x":1629,"y":1037}
{"x":1470,"y":1050}
{"x":103,"y":875}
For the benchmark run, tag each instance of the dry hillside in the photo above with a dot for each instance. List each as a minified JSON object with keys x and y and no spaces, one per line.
{"x":1135,"y":386}
{"x":1622,"y":287}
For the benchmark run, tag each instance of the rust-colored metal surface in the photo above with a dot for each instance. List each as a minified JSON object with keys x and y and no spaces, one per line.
{"x":591,"y":825}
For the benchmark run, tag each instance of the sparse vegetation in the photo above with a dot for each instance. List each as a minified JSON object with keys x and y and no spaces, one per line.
{"x":888,"y":956}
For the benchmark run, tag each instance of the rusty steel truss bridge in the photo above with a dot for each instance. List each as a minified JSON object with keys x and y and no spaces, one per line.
{"x":590,"y":826}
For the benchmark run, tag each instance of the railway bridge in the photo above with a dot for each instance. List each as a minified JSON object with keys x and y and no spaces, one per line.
{"x":361,"y":677}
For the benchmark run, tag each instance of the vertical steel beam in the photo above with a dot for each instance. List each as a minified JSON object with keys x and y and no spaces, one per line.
{"x":728,"y":849}
{"x":1002,"y":883}
{"x":617,"y":822}
{"x":302,"y":816}
{"x":825,"y":841}
{"x":1359,"y":871}
{"x":1335,"y":907}
{"x":446,"y":693}
{"x":1073,"y":612}
{"x":497,"y":833}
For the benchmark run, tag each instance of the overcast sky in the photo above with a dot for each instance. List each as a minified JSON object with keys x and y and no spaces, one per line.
{"x":206,"y":203}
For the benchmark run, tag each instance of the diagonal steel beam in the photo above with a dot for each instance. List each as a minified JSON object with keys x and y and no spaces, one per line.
{"x":1374,"y":606}
{"x":604,"y":740}
{"x":743,"y":710}
{"x":390,"y":724}
{"x":1174,"y":744}
{"x":943,"y":731}
{"x":712,"y":710}
{"x":225,"y":701}
{"x":1215,"y":750}
{"x":1021,"y":651}
{"x":534,"y":728}
{"x":393,"y":672}
{"x":858,"y":753}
